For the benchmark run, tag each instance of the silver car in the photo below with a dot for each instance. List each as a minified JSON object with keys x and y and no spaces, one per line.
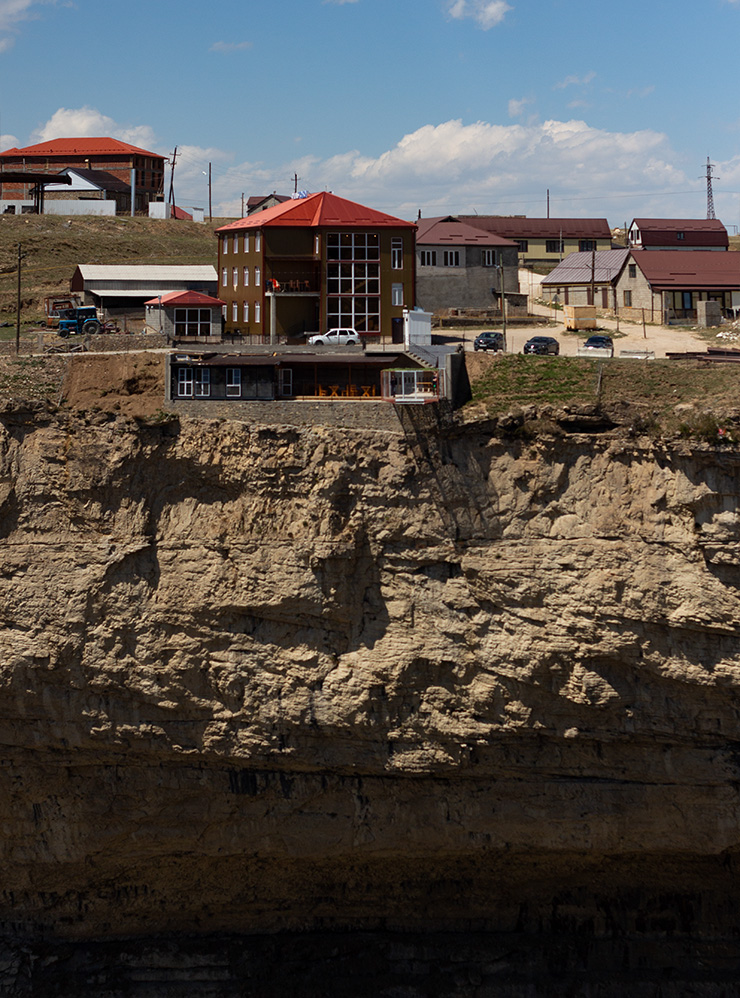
{"x":335,"y":338}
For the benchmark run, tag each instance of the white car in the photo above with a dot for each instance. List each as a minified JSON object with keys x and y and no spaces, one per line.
{"x":335,"y":338}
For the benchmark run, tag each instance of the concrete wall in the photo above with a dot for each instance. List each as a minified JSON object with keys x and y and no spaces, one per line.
{"x":467,"y":286}
{"x":64,"y":207}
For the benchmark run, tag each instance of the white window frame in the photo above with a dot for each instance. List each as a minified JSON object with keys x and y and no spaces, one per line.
{"x":245,"y":276}
{"x":185,"y":382}
{"x":257,"y":312}
{"x":257,"y":277}
{"x":451,"y":258}
{"x":202,"y":379}
{"x":488,"y":258}
{"x":257,"y":242}
{"x":233,"y":382}
{"x":235,"y":277}
{"x":396,"y":294}
{"x":226,"y":245}
{"x":396,"y":253}
{"x":246,"y":242}
{"x":236,"y":243}
{"x":235,"y":311}
{"x":224,"y":277}
{"x":245,"y":311}
{"x":428,"y":258}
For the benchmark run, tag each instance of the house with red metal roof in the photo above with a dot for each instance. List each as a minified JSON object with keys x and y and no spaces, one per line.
{"x":313,"y":263}
{"x":461,"y":266}
{"x":123,"y":161}
{"x":546,"y":240}
{"x":668,"y":285}
{"x":678,"y":234}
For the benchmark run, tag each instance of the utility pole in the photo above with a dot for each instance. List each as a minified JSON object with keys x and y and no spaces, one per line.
{"x":548,"y":202}
{"x":710,"y":195}
{"x":18,"y":307}
{"x":210,"y":207}
{"x":242,"y":204}
{"x":171,"y":198}
{"x":295,"y":183}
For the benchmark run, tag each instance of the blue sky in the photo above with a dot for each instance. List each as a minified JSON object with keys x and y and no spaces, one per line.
{"x":436,"y":106}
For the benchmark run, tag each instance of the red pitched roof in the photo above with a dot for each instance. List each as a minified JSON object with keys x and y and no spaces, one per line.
{"x":186,"y":298}
{"x":697,"y":231}
{"x":82,"y":146}
{"x":322,"y":209}
{"x":181,"y":213}
{"x":516,"y":227}
{"x":689,"y":269}
{"x":439,"y":231}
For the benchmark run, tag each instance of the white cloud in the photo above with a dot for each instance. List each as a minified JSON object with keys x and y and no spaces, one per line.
{"x":489,"y":168}
{"x":486,"y":13}
{"x":229,"y":46}
{"x":575,"y":81}
{"x":12,"y":12}
{"x":73,"y":122}
{"x":517,"y":107}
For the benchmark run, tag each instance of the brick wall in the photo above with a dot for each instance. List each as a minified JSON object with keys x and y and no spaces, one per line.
{"x":356,"y":415}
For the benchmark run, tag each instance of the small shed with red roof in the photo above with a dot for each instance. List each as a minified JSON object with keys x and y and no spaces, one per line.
{"x":186,"y":317}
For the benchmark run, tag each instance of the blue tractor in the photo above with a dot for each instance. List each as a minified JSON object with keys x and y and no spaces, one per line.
{"x":79,"y":320}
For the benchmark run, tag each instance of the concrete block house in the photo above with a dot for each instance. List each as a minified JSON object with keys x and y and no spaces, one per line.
{"x":461,"y":266}
{"x":313,"y":263}
{"x":670,"y":284}
{"x":112,"y":157}
{"x":586,"y":279}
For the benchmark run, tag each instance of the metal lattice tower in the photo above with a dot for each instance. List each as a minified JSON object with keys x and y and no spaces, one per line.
{"x":710,"y":195}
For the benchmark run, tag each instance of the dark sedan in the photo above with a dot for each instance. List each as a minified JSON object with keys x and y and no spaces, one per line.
{"x":489,"y":341}
{"x":542,"y":344}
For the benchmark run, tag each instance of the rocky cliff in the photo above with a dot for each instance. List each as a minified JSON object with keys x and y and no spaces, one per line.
{"x":469,"y":686}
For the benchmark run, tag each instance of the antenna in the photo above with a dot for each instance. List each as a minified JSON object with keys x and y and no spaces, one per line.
{"x":710,"y":195}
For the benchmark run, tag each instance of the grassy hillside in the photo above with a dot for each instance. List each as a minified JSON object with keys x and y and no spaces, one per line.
{"x":52,"y":247}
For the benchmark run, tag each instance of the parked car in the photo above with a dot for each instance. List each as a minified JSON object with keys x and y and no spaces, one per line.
{"x":335,"y":337}
{"x":489,"y":341}
{"x":599,"y":342}
{"x":542,"y":344}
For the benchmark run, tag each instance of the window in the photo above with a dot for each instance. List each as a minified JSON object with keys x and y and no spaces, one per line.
{"x":397,"y":294}
{"x":257,"y":242}
{"x":246,"y":242}
{"x":226,"y":245}
{"x":632,"y":269}
{"x":185,"y":382}
{"x":488,"y":258}
{"x":553,"y":246}
{"x":235,"y":277}
{"x":627,"y":299}
{"x":245,"y":312}
{"x":202,"y":382}
{"x":680,"y":235}
{"x":522,"y":244}
{"x":245,"y":277}
{"x":233,"y":381}
{"x":396,"y":253}
{"x":224,"y":277}
{"x":192,"y":322}
{"x":235,"y":311}
{"x":257,"y":277}
{"x":451,"y":258}
{"x":317,"y":244}
{"x":236,"y":244}
{"x":353,"y":280}
{"x":586,"y":245}
{"x":428,"y":258}
{"x":257,"y":311}
{"x":352,"y":246}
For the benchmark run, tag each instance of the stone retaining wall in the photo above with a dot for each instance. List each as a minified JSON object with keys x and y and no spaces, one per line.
{"x":355,"y":414}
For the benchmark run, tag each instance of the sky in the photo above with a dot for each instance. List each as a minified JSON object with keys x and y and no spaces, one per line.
{"x":407,"y":106}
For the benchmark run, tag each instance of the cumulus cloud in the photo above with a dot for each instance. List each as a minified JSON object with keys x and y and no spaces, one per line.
{"x":229,"y":46}
{"x":486,"y":13}
{"x":73,"y":122}
{"x":492,"y":168}
{"x":12,"y":13}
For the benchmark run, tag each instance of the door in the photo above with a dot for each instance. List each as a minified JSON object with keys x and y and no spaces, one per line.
{"x":286,"y":381}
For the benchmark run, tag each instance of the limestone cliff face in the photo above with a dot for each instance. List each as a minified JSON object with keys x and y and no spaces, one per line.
{"x":259,"y":679}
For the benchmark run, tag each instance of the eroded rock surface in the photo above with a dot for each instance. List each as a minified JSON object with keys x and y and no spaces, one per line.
{"x":278,"y":680}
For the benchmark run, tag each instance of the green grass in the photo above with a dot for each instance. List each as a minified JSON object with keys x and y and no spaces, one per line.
{"x":654,"y":387}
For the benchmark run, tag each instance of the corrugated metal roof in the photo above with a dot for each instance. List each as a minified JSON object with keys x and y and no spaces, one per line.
{"x":144,"y":272}
{"x":513,"y":227}
{"x":322,"y":209}
{"x":689,"y":269}
{"x":576,"y":268}
{"x":81,"y":146}
{"x":448,"y":229}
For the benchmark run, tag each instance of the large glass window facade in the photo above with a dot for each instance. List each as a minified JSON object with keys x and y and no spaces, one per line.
{"x":353,"y":281}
